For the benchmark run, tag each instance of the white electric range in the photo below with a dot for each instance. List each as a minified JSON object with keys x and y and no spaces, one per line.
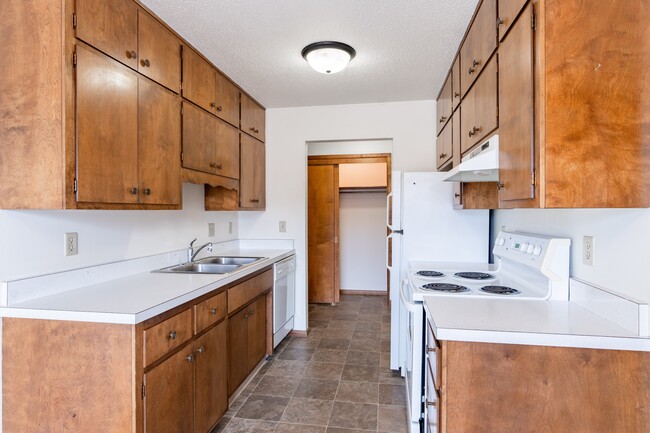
{"x":528,"y":267}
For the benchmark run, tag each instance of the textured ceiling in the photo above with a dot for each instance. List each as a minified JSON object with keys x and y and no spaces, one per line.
{"x":404,"y":47}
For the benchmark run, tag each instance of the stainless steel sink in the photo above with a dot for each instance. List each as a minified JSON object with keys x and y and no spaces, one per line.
{"x":212,"y":265}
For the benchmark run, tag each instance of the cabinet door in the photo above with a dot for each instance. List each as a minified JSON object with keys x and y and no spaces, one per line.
{"x":159,"y":144}
{"x":211,"y":374}
{"x":455,"y":83}
{"x":443,"y":142}
{"x":252,"y":118}
{"x":198,"y":80}
{"x":467,"y":122}
{"x":237,"y":349}
{"x":479,"y":45}
{"x":508,"y":11}
{"x":444,"y":104}
{"x":107,"y":130}
{"x":256,"y":332}
{"x":169,"y":395}
{"x":110,"y":26}
{"x":227,"y":100}
{"x":159,"y":52}
{"x":516,"y":111}
{"x":252,"y":181}
{"x":199,"y":139}
{"x":480,"y":109}
{"x":227,"y":150}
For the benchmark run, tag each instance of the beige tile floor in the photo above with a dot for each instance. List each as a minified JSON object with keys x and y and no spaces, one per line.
{"x":336,"y":380}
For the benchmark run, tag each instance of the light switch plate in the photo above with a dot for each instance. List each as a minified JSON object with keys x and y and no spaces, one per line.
{"x":283,"y":226}
{"x":210,"y":229}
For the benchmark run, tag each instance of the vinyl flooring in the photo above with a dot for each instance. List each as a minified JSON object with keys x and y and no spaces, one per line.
{"x":336,"y":380}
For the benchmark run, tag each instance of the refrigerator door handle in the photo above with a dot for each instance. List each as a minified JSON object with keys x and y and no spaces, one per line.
{"x":388,"y":238}
{"x":389,"y":210}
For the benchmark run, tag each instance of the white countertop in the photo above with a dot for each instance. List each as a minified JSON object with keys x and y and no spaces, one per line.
{"x":541,"y":323}
{"x":135,"y":298}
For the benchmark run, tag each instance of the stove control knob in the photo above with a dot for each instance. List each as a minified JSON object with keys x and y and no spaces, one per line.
{"x":500,"y":241}
{"x":530,"y":249}
{"x":523,"y":248}
{"x":538,"y":250}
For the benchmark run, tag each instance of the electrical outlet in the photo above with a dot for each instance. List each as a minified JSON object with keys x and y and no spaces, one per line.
{"x":210,"y":229}
{"x":71,"y":244}
{"x":588,"y":250}
{"x":229,"y":227}
{"x":283,"y":226}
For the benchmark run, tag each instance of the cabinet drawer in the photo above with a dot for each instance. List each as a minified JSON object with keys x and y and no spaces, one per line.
{"x":167,"y":335}
{"x":243,"y":293}
{"x":433,"y":357}
{"x":209,"y":311}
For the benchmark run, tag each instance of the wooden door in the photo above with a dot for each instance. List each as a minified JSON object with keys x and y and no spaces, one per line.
{"x":444,"y":104}
{"x":227,"y":150}
{"x":256,"y":332}
{"x":508,"y":11}
{"x":323,"y":214}
{"x":107,"y":130}
{"x":455,"y":83}
{"x":485,"y":102}
{"x":252,"y":118}
{"x":169,"y":395}
{"x":237,"y":349}
{"x":211,"y":377}
{"x":516,"y":111}
{"x":159,"y":52}
{"x":198,"y":80}
{"x":467,"y":122}
{"x":252,"y":181}
{"x":227,"y":100}
{"x":159,"y":144}
{"x":199,"y":139}
{"x":479,"y":45}
{"x":110,"y":26}
{"x":443,"y":145}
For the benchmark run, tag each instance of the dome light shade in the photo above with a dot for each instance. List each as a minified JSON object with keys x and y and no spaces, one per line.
{"x":328,"y":57}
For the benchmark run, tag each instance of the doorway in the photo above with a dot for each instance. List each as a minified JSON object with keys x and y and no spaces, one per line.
{"x":340,"y":186}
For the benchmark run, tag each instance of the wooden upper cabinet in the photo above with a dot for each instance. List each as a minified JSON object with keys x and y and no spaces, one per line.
{"x":227,"y":150}
{"x":516,"y":111}
{"x":111,"y":26}
{"x":199,"y":85}
{"x":479,"y":110}
{"x":444,"y":104}
{"x":159,"y":52}
{"x":107,"y":129}
{"x":444,"y":146}
{"x":252,"y":118}
{"x":253,"y":179}
{"x":455,"y":84}
{"x":159,"y":145}
{"x":227,"y":100}
{"x":508,"y":11}
{"x":480,"y":43}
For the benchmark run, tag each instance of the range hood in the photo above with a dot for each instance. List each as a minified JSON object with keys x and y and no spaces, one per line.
{"x":480,"y":165}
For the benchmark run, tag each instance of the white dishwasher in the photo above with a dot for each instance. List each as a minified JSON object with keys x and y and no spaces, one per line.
{"x":284,"y":298}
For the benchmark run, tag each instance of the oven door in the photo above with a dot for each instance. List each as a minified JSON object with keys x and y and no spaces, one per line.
{"x":414,"y":363}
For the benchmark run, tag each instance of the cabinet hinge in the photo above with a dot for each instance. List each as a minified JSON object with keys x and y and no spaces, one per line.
{"x":74,"y":59}
{"x":144,"y":391}
{"x":532,"y":178}
{"x":74,"y":21}
{"x":75,"y":186}
{"x":532,"y":20}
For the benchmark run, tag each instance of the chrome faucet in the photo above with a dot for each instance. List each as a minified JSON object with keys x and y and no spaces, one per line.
{"x":191,"y":254}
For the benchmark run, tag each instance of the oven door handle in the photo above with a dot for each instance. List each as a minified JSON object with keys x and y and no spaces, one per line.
{"x":411,"y":306}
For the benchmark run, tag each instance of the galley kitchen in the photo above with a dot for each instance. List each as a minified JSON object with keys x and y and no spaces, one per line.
{"x":331,"y":217}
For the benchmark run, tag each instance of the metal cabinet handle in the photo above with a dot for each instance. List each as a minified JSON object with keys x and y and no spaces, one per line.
{"x":201,"y":349}
{"x":442,"y":155}
{"x":456,"y":195}
{"x":474,"y":131}
{"x":133,"y":190}
{"x":213,"y":311}
{"x":443,"y":119}
{"x":255,"y":200}
{"x":219,"y":108}
{"x":255,"y":130}
{"x":500,"y":186}
{"x":172,"y":335}
{"x":456,"y":95}
{"x":145,"y":63}
{"x":190,"y":357}
{"x":218,"y":166}
{"x":499,"y":22}
{"x":472,"y":68}
{"x":147,"y":191}
{"x":131,"y":55}
{"x":213,"y":104}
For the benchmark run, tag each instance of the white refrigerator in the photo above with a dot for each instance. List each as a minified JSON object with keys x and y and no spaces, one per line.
{"x":424,"y":226}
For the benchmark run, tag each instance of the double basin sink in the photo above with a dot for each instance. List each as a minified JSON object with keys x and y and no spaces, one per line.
{"x":213,"y":265}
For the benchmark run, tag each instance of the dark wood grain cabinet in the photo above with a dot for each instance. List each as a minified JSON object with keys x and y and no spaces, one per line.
{"x":508,"y":12}
{"x":159,"y":52}
{"x":253,"y":174}
{"x":252,"y":118}
{"x":479,"y":109}
{"x":479,"y":44}
{"x":444,"y":106}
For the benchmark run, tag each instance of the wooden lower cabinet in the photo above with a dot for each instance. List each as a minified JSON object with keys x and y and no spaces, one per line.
{"x":488,"y":387}
{"x":247,"y":331}
{"x":210,"y":378}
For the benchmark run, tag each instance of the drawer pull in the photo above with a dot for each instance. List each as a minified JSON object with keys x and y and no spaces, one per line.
{"x":147,"y":191}
{"x":190,"y":357}
{"x":131,"y":55}
{"x":219,"y":108}
{"x":255,"y":200}
{"x":133,"y":190}
{"x":172,"y":335}
{"x":201,"y":349}
{"x":443,"y":119}
{"x":146,"y":63}
{"x":213,"y":104}
{"x":432,"y":403}
{"x":442,"y":155}
{"x":456,"y":94}
{"x":213,"y":311}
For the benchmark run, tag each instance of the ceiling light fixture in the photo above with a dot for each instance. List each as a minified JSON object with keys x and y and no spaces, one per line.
{"x":328,"y":57}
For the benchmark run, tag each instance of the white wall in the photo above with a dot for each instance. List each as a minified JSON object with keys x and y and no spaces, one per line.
{"x":362,"y":241}
{"x":31,"y":242}
{"x":621,"y":247}
{"x":288,"y":130}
